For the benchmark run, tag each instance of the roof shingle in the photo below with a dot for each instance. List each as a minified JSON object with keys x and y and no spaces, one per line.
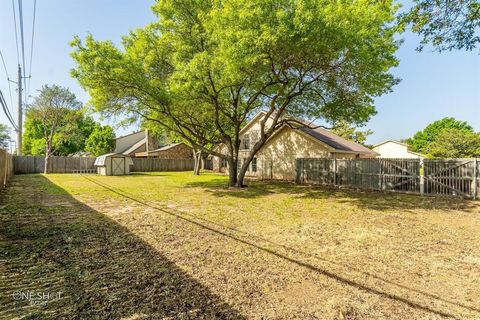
{"x":335,"y":141}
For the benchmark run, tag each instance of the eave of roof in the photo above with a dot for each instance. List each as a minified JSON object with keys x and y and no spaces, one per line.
{"x":135,"y":146}
{"x":393,"y":141}
{"x":338,"y":143}
{"x":130,"y":134}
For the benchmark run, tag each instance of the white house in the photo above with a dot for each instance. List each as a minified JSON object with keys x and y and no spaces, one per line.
{"x":395,"y":149}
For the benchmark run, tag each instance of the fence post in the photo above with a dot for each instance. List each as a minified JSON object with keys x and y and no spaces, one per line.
{"x":335,"y":169}
{"x":380,"y":175}
{"x":422,"y":180}
{"x":475,"y":178}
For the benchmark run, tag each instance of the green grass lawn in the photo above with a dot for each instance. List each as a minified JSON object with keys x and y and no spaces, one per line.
{"x":176,"y":246}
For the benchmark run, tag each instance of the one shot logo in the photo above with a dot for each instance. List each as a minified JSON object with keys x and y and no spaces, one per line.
{"x":36,"y":297}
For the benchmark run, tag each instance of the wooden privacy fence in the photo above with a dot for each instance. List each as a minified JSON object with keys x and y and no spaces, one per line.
{"x":36,"y":164}
{"x":154,"y":164}
{"x":6,"y":167}
{"x":457,"y":177}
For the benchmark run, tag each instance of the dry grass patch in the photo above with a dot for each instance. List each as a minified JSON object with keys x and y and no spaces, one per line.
{"x":269,"y":251}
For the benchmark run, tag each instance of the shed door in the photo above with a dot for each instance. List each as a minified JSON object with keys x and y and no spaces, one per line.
{"x":118,"y":166}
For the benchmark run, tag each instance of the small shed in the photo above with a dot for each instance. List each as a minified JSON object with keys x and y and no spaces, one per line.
{"x":113,"y":164}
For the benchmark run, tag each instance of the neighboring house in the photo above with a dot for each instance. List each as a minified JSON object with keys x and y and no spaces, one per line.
{"x":171,"y":151}
{"x":136,"y":142}
{"x":395,"y":149}
{"x":276,"y":159}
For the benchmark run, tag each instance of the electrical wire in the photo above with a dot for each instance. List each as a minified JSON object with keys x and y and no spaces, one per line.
{"x":15,"y":26}
{"x":20,"y":16}
{"x":31,"y":46}
{"x":7,"y":112}
{"x":8,"y":81}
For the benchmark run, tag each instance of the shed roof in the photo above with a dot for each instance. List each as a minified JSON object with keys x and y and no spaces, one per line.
{"x":100,"y":160}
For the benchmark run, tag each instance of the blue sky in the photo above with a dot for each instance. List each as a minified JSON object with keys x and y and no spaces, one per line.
{"x":433,"y":85}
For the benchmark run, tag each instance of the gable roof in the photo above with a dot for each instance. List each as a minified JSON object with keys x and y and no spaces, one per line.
{"x":338,"y":143}
{"x":402,"y":144}
{"x":130,"y":134}
{"x":393,"y":141}
{"x":134,"y":147}
{"x":252,"y":121}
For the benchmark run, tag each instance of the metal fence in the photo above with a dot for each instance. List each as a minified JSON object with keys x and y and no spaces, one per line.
{"x":36,"y":164}
{"x":456,"y":177}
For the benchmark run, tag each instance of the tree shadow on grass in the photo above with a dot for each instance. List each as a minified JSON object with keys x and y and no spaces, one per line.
{"x":153,"y":173}
{"x":283,"y":252}
{"x":365,"y":199}
{"x":91,"y":267}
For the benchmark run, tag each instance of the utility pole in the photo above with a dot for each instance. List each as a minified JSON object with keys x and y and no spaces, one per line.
{"x":20,"y":113}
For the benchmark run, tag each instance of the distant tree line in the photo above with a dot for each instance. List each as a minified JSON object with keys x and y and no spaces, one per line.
{"x":447,"y":138}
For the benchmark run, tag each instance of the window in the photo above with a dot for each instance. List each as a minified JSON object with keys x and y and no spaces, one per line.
{"x":246,"y":142}
{"x":254,"y":165}
{"x":224,"y":163}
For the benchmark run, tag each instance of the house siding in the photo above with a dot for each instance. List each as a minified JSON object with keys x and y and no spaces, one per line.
{"x":276,"y":160}
{"x":395,"y":150}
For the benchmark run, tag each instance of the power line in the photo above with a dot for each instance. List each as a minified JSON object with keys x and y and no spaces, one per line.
{"x":31,"y":47}
{"x":8,"y":81}
{"x":20,"y":16}
{"x":15,"y":26}
{"x":7,"y":112}
{"x":5,"y":109}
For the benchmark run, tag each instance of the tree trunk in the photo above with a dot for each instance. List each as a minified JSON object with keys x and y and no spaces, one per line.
{"x":198,"y":160}
{"x":204,"y":160}
{"x":242,"y":172}
{"x":232,"y":172}
{"x":47,"y":158}
{"x":48,"y":151}
{"x":240,"y":178}
{"x":195,"y":161}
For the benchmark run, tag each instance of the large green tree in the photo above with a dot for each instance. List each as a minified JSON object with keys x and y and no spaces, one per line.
{"x":100,"y":141}
{"x":75,"y":128}
{"x":421,"y":139}
{"x":446,"y":24}
{"x":454,"y":143}
{"x":205,"y":67}
{"x":52,"y":112}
